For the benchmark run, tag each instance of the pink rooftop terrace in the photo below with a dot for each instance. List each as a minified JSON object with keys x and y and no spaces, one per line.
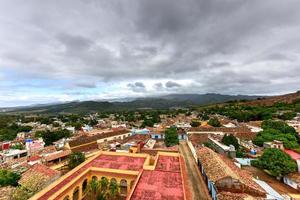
{"x":102,"y":161}
{"x":164,"y":182}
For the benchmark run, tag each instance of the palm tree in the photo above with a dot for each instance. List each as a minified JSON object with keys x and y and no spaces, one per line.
{"x":93,"y":189}
{"x":102,"y":190}
{"x":103,"y":184}
{"x":113,"y":190}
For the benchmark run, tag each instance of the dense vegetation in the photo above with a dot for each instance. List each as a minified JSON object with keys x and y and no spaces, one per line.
{"x":76,"y":159}
{"x":276,"y":162}
{"x":195,"y":123}
{"x":9,"y":129}
{"x":244,"y":112}
{"x":232,"y":140}
{"x":8,"y":178}
{"x":214,"y":122}
{"x":277,"y":130}
{"x":51,"y":136}
{"x":171,"y":137}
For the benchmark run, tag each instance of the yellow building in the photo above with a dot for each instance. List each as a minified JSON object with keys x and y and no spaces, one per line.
{"x":139,"y":175}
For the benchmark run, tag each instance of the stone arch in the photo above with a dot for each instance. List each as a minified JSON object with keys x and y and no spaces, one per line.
{"x":84,"y":186}
{"x":67,"y":197}
{"x":113,"y":180}
{"x":123,"y":187}
{"x":76,"y":193}
{"x":94,"y":178}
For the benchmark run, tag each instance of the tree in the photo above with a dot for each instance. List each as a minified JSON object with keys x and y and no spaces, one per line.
{"x":76,"y":159}
{"x":51,"y":136}
{"x":268,"y":135}
{"x":102,"y":189}
{"x":113,"y":190}
{"x":230,"y":140}
{"x":214,"y":122}
{"x":171,"y":137}
{"x":8,"y":178}
{"x":287,"y":115}
{"x":195,"y":123}
{"x":276,"y":162}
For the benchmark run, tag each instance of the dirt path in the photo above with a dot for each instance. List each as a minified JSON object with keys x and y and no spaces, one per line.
{"x":196,"y":183}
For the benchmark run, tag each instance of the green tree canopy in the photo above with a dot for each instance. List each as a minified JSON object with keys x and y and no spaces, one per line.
{"x":195,"y":123}
{"x":171,"y":137}
{"x":276,"y":162}
{"x":51,"y":136}
{"x":76,"y":159}
{"x":230,"y":140}
{"x":214,"y":122}
{"x":8,"y":178}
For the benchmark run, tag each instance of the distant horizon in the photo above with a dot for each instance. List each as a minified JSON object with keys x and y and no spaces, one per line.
{"x":128,"y":99}
{"x":89,"y":50}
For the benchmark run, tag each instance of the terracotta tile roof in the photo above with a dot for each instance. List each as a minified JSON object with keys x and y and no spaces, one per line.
{"x":89,"y":139}
{"x":34,"y":158}
{"x":5,"y":192}
{"x":60,"y":154}
{"x":242,"y":132}
{"x":218,"y":167}
{"x":235,"y":196}
{"x":294,"y":155}
{"x":39,"y":170}
{"x":197,"y":139}
{"x":294,"y":176}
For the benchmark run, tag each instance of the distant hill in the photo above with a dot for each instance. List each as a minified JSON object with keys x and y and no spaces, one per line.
{"x":210,"y":98}
{"x":269,"y":101}
{"x":161,"y":102}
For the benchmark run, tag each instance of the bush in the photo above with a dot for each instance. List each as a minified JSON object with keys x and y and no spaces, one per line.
{"x":76,"y":159}
{"x":195,"y":123}
{"x":8,"y":178}
{"x":230,"y":140}
{"x":276,"y":162}
{"x":214,"y":122}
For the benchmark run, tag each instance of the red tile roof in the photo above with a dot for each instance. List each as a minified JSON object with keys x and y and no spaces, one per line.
{"x":293,"y":154}
{"x":39,"y":170}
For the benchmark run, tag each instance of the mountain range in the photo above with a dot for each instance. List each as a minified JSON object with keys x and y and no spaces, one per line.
{"x":160,"y":102}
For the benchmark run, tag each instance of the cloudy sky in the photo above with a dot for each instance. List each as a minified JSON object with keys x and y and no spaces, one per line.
{"x":64,"y":50}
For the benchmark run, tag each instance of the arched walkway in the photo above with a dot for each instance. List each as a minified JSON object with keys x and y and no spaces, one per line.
{"x":84,"y":186}
{"x":76,"y":194}
{"x":95,"y":178}
{"x":123,"y":187}
{"x":67,"y":198}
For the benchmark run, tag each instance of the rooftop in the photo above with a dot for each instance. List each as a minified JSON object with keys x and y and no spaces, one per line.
{"x":119,"y":162}
{"x":293,"y":154}
{"x":165,"y":182}
{"x":126,"y":162}
{"x":39,"y":170}
{"x":155,"y":185}
{"x":218,"y":167}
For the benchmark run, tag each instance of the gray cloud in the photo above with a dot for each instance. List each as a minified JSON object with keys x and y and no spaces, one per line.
{"x":171,"y":84}
{"x":137,"y":87}
{"x":227,"y":46}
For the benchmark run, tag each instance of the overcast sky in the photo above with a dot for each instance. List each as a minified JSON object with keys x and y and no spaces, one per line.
{"x":64,"y":50}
